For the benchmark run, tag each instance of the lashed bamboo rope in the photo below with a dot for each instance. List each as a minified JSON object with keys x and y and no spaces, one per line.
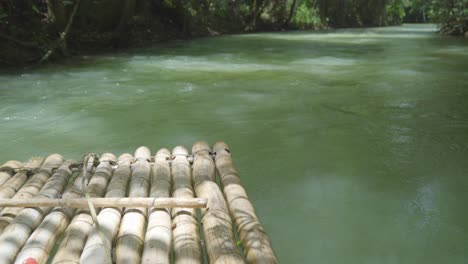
{"x":217,"y":225}
{"x":186,"y":239}
{"x":16,"y":234}
{"x":158,"y":238}
{"x":32,"y":186}
{"x":77,"y":232}
{"x":8,"y":169}
{"x":11,"y":186}
{"x":255,"y":242}
{"x":132,"y":228}
{"x":95,"y":249}
{"x":42,"y":240}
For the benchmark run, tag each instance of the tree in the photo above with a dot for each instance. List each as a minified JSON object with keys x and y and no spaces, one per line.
{"x":452,"y":15}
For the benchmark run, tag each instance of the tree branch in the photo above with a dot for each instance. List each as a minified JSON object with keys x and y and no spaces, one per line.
{"x":62,"y":41}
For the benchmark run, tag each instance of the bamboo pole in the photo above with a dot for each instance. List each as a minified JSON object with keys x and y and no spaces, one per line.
{"x":98,"y":183}
{"x":255,"y":242}
{"x":109,"y":218}
{"x":71,"y":246}
{"x":158,"y":238}
{"x":132,"y":228}
{"x":145,"y":202}
{"x":8,"y":169}
{"x":11,"y":165}
{"x":43,"y":239}
{"x":77,"y":232}
{"x":32,"y":186}
{"x":11,"y":186}
{"x":16,"y":234}
{"x":186,"y":239}
{"x":217,"y":225}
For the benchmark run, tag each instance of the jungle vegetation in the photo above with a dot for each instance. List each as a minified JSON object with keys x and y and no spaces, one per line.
{"x":34,"y":31}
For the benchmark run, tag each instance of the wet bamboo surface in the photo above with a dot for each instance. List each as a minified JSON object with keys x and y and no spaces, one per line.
{"x":130,"y":239}
{"x":32,"y":186}
{"x":255,"y":242}
{"x":14,"y":183}
{"x":65,"y":234}
{"x":8,"y":169}
{"x":15,"y":235}
{"x":158,"y":238}
{"x":77,"y":232}
{"x":43,"y":239}
{"x":95,"y":250}
{"x":217,"y":224}
{"x":186,"y":238}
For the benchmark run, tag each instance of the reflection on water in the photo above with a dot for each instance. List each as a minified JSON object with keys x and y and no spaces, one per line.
{"x":352,"y":144}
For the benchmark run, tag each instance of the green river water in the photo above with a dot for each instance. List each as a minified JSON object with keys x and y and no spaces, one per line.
{"x":352,"y":144}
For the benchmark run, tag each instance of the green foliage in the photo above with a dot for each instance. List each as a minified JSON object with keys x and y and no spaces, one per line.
{"x":395,"y":12}
{"x":307,"y":16}
{"x":100,"y":23}
{"x":67,"y":2}
{"x":35,"y":9}
{"x":416,"y":10}
{"x":169,"y":3}
{"x":354,"y":13}
{"x":452,"y":15}
{"x":3,"y":14}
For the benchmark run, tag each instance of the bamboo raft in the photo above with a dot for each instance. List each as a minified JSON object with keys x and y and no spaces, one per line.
{"x":173,"y":207}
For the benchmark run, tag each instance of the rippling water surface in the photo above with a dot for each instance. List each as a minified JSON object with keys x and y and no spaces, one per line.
{"x":352,"y":144}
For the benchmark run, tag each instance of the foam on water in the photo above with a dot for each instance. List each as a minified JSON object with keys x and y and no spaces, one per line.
{"x":453,"y":50}
{"x":326,"y":61}
{"x":356,"y":36}
{"x":188,"y":63}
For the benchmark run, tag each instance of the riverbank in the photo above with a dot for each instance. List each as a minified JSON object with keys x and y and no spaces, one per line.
{"x":18,"y":53}
{"x":34,"y":32}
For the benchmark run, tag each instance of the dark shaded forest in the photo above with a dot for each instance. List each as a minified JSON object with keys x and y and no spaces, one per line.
{"x":33,"y":31}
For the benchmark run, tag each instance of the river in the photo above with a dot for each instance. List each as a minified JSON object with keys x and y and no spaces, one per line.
{"x":352,"y":144}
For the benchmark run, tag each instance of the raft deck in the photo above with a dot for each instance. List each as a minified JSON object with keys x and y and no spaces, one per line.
{"x":173,"y":207}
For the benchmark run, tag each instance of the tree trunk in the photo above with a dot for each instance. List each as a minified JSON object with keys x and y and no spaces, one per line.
{"x":57,"y":14}
{"x":257,"y":7}
{"x":122,"y":31}
{"x":291,"y":14}
{"x":322,"y":7}
{"x":62,"y":41}
{"x":82,"y":16}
